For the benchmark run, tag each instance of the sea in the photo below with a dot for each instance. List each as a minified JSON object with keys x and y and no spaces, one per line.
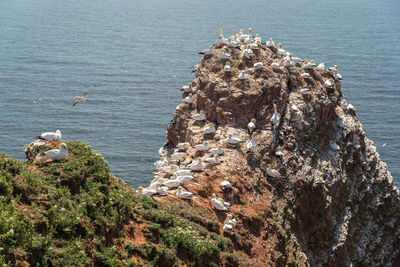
{"x":133,"y":56}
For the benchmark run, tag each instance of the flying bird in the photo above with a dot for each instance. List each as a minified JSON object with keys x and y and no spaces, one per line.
{"x":79,"y":99}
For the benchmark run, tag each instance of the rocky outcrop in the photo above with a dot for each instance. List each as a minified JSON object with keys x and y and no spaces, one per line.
{"x":334,"y":203}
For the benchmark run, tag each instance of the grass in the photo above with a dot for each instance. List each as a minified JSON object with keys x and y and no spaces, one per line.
{"x":73,"y":213}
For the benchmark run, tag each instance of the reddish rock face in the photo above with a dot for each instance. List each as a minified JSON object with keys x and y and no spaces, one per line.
{"x":334,"y":203}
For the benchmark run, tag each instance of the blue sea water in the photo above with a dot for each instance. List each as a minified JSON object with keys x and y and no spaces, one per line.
{"x":132,"y":56}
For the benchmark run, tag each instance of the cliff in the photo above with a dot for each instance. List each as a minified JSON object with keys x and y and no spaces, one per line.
{"x":311,"y":192}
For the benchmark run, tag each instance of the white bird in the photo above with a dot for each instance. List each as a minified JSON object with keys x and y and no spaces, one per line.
{"x":253,"y":46}
{"x":160,"y":163}
{"x":177,"y":155}
{"x":229,"y":219}
{"x":172,"y":183}
{"x":308,"y":65}
{"x":228,"y":227}
{"x":213,"y":160}
{"x":334,"y":146}
{"x":258,"y":65}
{"x":207,"y":52}
{"x":180,"y":193}
{"x":208,"y":129}
{"x":187,"y":88}
{"x":79,"y":99}
{"x":270,"y":43}
{"x":328,"y":83}
{"x":275,"y":65}
{"x":185,"y":178}
{"x":217,"y":204}
{"x":279,"y":153}
{"x":57,"y":154}
{"x":304,"y":91}
{"x":251,"y":144}
{"x":215,"y":151}
{"x":49,"y":136}
{"x":188,"y":99}
{"x":281,"y":51}
{"x":182,"y":172}
{"x":242,"y":76}
{"x":183,"y":146}
{"x":196,"y":165}
{"x":146,"y":191}
{"x":252,"y":125}
{"x":273,"y":173}
{"x":227,"y":67}
{"x":161,"y":190}
{"x":232,"y":42}
{"x":247,"y":52}
{"x":202,"y":147}
{"x":225,"y":184}
{"x":157,"y":181}
{"x":306,"y":75}
{"x":233,"y":140}
{"x":199,"y":116}
{"x":224,"y":56}
{"x":257,"y":38}
{"x":288,"y":63}
{"x":337,"y":76}
{"x":321,"y":66}
{"x":275,"y":117}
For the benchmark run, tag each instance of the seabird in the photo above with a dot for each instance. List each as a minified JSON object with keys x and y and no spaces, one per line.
{"x":160,"y":163}
{"x":213,"y":160}
{"x":334,"y":146}
{"x":321,"y":66}
{"x":247,"y":52}
{"x":270,"y":43}
{"x":253,"y":45}
{"x":172,"y":183}
{"x":196,"y":165}
{"x":199,"y":117}
{"x":183,"y":146}
{"x":275,"y":117}
{"x":252,"y":125}
{"x":185,"y":178}
{"x":306,"y":75}
{"x":79,"y":99}
{"x":328,"y":83}
{"x":232,"y":42}
{"x":49,"y":136}
{"x":57,"y":154}
{"x":146,"y":191}
{"x":233,"y":140}
{"x":258,"y":65}
{"x":257,"y":38}
{"x":225,"y":184}
{"x":227,"y":67}
{"x":281,"y":51}
{"x":273,"y":173}
{"x":187,"y":88}
{"x":279,"y":153}
{"x":208,"y":129}
{"x":177,"y":155}
{"x":180,"y":193}
{"x":207,"y":52}
{"x":228,"y":227}
{"x":242,"y":76}
{"x":251,"y":144}
{"x":202,"y":147}
{"x":224,"y":56}
{"x":275,"y":65}
{"x":304,"y":91}
{"x":182,"y":172}
{"x":217,"y":204}
{"x":229,"y":219}
{"x":161,"y":190}
{"x":188,"y":99}
{"x":215,"y":151}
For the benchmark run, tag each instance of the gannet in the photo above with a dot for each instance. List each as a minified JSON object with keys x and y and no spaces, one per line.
{"x":336,"y":75}
{"x":233,"y":140}
{"x":177,"y":155}
{"x":215,"y":151}
{"x":275,"y":65}
{"x":183,"y":146}
{"x":57,"y":154}
{"x":227,"y":67}
{"x":172,"y":183}
{"x":185,"y":178}
{"x":281,"y":51}
{"x":180,"y":193}
{"x":270,"y":43}
{"x":188,"y":99}
{"x":157,"y":181}
{"x":146,"y":191}
{"x":334,"y":146}
{"x":182,"y":172}
{"x":213,"y":160}
{"x":79,"y":99}
{"x":232,"y":42}
{"x":49,"y":136}
{"x":275,"y":117}
{"x":224,"y":56}
{"x":226,"y":204}
{"x":222,"y":40}
{"x":217,"y":204}
{"x":199,"y":116}
{"x":225,"y":184}
{"x":258,"y":66}
{"x":247,"y":52}
{"x":228,"y":227}
{"x":196,"y":165}
{"x":328,"y":83}
{"x":293,"y":107}
{"x":160,"y":163}
{"x":202,"y":147}
{"x":251,"y":144}
{"x":257,"y":38}
{"x":288,"y":63}
{"x":308,"y":65}
{"x":321,"y":66}
{"x":297,"y":60}
{"x":273,"y":173}
{"x":208,"y":128}
{"x":235,"y":36}
{"x":253,"y":46}
{"x":229,"y":219}
{"x":242,"y":76}
{"x":304,"y":91}
{"x":252,"y":125}
{"x":279,"y":153}
{"x":187,"y":88}
{"x":207,"y":52}
{"x":242,"y":36}
{"x":248,"y":38}
{"x":306,"y":75}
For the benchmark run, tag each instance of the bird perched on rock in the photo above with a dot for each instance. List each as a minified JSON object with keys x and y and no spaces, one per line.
{"x":196,"y":165}
{"x":181,"y":193}
{"x":273,"y":173}
{"x":233,"y":140}
{"x":270,"y":43}
{"x":213,"y":160}
{"x":208,"y":128}
{"x":146,"y":191}
{"x":252,"y":125}
{"x":275,"y":117}
{"x":227,"y":67}
{"x":202,"y":147}
{"x":215,"y":151}
{"x":225,"y":184}
{"x":56,"y":154}
{"x":79,"y":99}
{"x":217,"y":204}
{"x":251,"y":144}
{"x":49,"y":136}
{"x":199,"y":116}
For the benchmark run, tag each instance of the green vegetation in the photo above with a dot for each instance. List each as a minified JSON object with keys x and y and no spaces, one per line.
{"x":76,"y":213}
